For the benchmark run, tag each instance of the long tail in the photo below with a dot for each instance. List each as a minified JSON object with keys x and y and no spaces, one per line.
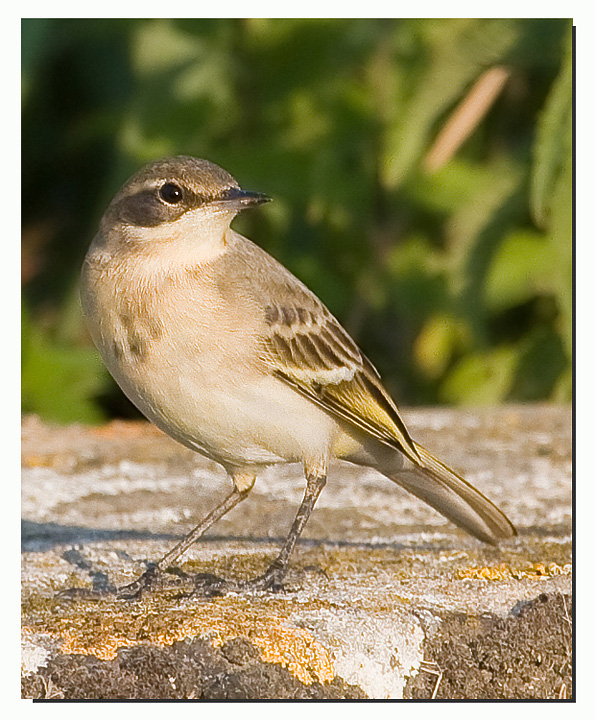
{"x":439,"y":486}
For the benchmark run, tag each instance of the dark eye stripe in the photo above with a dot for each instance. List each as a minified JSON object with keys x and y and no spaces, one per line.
{"x":143,"y":208}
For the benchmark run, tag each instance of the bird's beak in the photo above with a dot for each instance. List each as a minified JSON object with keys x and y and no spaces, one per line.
{"x":241,"y":199}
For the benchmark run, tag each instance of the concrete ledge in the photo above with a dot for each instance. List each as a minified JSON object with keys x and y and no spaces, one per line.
{"x":384,"y":599}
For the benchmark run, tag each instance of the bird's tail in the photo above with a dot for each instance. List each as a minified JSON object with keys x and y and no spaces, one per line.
{"x":439,"y":486}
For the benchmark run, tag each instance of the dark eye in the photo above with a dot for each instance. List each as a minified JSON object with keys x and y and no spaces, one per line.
{"x":170,"y":193}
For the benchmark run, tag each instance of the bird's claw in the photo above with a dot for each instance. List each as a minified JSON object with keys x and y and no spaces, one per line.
{"x":135,"y":589}
{"x":103,"y":590}
{"x":209,"y":585}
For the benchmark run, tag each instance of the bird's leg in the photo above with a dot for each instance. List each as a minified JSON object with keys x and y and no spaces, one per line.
{"x":272,"y":577}
{"x":242,"y":486}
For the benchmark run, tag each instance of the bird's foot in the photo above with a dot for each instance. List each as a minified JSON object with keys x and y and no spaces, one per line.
{"x":205,"y":585}
{"x":209,"y":585}
{"x":102,"y":589}
{"x":135,"y":589}
{"x":271,"y":579}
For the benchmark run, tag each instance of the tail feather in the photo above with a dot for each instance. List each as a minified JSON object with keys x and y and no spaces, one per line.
{"x":456,"y":499}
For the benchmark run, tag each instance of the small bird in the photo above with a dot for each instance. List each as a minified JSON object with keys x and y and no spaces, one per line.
{"x":226,"y":351}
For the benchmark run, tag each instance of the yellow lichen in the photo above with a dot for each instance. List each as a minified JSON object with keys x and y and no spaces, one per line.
{"x":504,"y":572}
{"x":298,"y":651}
{"x":101,"y":631}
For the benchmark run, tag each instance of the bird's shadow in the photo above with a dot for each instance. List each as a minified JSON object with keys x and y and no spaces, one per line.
{"x":41,"y":537}
{"x":44,"y":537}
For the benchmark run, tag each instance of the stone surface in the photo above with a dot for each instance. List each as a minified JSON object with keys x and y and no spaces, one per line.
{"x":384,"y":598}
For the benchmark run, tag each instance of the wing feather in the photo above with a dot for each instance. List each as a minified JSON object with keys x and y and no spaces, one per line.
{"x":309,"y":350}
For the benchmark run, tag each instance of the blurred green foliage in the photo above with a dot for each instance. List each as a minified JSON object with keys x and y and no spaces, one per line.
{"x":457,"y":282}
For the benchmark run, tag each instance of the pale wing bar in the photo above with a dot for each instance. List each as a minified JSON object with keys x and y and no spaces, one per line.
{"x":319,"y":359}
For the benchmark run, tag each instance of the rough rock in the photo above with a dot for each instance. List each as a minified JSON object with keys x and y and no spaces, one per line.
{"x":384,"y":599}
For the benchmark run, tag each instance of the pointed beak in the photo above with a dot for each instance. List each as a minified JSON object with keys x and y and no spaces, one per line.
{"x":242,"y":199}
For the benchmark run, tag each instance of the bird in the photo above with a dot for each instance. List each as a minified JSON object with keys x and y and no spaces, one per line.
{"x":225,"y":350}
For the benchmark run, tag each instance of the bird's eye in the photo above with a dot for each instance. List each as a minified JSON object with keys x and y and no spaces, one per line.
{"x":171,"y":193}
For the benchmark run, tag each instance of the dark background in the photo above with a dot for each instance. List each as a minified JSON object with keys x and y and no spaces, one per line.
{"x":441,"y":240}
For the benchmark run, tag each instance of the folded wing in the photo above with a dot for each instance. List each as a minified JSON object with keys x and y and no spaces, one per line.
{"x":308,"y":349}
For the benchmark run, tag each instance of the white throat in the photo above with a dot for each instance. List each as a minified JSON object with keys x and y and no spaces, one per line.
{"x":196,"y":238}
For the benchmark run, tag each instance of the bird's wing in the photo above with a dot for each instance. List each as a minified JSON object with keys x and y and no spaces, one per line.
{"x":307,"y":348}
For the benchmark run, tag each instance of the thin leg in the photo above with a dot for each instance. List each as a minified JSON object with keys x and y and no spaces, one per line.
{"x":242,"y":486}
{"x":276,"y":571}
{"x":134,"y":589}
{"x":228,"y":504}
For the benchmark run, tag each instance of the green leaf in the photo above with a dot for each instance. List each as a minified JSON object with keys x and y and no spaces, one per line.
{"x":551,"y":186}
{"x":519,"y":269}
{"x":543,"y":349}
{"x":453,"y":54}
{"x":59,"y":382}
{"x":451,"y":187}
{"x":482,"y":378}
{"x":475,"y":234}
{"x":417,"y":273}
{"x":436,"y":344}
{"x":553,"y":145}
{"x":561,"y":236}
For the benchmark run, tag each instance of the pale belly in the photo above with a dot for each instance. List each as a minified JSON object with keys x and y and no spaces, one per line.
{"x":225,"y":411}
